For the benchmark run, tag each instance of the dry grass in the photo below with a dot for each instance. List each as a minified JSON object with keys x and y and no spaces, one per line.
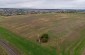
{"x":2,"y":51}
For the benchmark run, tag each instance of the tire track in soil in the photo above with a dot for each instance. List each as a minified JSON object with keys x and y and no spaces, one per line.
{"x":10,"y":50}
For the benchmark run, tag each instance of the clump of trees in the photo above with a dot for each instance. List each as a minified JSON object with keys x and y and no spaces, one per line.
{"x":43,"y":38}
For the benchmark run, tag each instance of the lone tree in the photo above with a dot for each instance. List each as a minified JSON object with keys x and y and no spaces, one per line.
{"x":44,"y":38}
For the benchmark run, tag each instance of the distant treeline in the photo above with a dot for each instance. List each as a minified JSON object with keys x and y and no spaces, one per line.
{"x":16,"y":11}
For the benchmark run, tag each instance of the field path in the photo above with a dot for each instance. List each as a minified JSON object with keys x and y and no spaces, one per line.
{"x":8,"y":48}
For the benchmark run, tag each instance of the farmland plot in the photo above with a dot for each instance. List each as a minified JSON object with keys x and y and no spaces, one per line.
{"x":66,"y":30}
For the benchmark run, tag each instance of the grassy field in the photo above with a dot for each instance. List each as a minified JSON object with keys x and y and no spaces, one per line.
{"x":27,"y":47}
{"x":2,"y":51}
{"x":66,"y":32}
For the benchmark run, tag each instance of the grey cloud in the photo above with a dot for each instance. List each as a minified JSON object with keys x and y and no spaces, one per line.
{"x":51,"y":4}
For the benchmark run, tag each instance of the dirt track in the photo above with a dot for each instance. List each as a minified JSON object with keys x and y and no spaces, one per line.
{"x":8,"y":48}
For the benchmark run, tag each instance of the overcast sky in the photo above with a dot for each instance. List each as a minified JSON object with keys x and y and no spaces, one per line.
{"x":43,"y":4}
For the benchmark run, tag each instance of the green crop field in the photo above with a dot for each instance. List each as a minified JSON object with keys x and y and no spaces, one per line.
{"x":66,"y":33}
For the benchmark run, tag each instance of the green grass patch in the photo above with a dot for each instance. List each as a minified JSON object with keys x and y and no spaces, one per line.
{"x":78,"y":50}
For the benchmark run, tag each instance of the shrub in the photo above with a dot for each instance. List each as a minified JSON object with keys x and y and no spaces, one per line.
{"x":44,"y":38}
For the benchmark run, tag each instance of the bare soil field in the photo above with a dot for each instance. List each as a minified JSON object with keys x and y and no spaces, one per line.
{"x":66,"y":30}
